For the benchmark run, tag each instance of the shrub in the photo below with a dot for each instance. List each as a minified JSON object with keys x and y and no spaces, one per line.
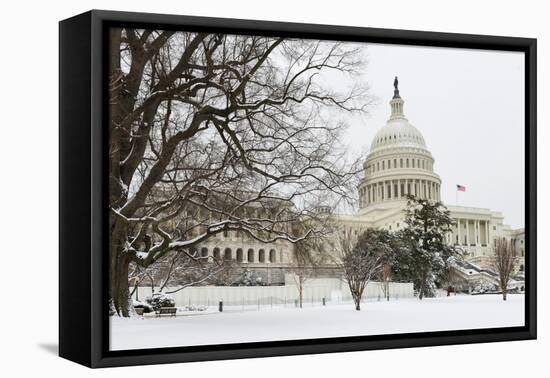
{"x":147,"y":308}
{"x":158,"y":300}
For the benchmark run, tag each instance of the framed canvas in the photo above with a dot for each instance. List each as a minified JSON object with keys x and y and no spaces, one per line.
{"x":235,"y":188}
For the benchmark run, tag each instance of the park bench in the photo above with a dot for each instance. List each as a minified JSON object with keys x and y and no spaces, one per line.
{"x":166,"y":311}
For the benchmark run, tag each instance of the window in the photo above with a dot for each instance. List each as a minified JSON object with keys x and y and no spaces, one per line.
{"x":413,"y":163}
{"x":204,"y":252}
{"x":227,"y":254}
{"x":261,"y":255}
{"x":250,"y":255}
{"x":383,"y":165}
{"x":240,"y":255}
{"x":407,"y":163}
{"x":272,"y":255}
{"x":400,"y":163}
{"x":494,"y":228}
{"x":216,"y":253}
{"x":395,"y":163}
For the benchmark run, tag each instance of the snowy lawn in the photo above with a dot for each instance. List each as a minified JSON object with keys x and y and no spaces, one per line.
{"x":406,"y":315}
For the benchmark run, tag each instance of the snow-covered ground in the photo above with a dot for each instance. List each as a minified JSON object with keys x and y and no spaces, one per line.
{"x":402,"y":316}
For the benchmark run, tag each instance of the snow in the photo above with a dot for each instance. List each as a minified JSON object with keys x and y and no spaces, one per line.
{"x":401,"y":316}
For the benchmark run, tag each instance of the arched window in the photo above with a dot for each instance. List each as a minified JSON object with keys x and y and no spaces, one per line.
{"x":272,"y":255}
{"x":261,"y":255}
{"x":216,"y":253}
{"x":250,"y":255}
{"x":240,"y":255}
{"x":400,"y":163}
{"x":413,"y":163}
{"x":227,"y":254}
{"x":407,"y":163}
{"x":204,"y":252}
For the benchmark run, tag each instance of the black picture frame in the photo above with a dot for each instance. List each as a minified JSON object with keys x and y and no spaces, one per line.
{"x":83,"y":319}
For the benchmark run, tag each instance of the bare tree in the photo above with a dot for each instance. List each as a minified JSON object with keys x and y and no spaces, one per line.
{"x":303,"y":265}
{"x":204,"y":127}
{"x":503,"y":263}
{"x":177,"y":270}
{"x":361,"y":259}
{"x":311,"y":253}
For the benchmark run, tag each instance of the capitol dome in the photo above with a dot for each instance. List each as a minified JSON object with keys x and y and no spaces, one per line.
{"x":398,"y":132}
{"x":399,"y":163}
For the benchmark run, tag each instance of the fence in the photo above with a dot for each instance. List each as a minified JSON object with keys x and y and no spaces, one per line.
{"x":332,"y":291}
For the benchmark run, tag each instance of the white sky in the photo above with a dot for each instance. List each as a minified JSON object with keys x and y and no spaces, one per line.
{"x":469,"y":105}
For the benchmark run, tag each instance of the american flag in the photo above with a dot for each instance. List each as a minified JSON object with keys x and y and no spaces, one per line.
{"x":460,"y":188}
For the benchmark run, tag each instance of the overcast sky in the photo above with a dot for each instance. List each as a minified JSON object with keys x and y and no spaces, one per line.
{"x":469,"y":105}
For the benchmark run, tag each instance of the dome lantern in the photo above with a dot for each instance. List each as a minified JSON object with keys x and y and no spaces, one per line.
{"x":396,"y":102}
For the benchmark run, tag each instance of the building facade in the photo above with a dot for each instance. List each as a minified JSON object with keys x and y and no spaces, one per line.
{"x":399,"y":163}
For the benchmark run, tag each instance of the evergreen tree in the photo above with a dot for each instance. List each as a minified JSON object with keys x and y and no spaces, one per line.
{"x":421,"y":252}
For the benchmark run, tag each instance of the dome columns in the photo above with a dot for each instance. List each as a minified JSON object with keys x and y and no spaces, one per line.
{"x":398,"y":189}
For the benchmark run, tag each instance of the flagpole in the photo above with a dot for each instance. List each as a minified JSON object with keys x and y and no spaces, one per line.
{"x":456,"y":194}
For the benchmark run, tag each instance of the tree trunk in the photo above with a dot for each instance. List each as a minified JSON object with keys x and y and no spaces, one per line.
{"x":300,"y":294}
{"x":504,"y":292}
{"x":358,"y":304}
{"x":119,"y":287}
{"x":422,"y":285}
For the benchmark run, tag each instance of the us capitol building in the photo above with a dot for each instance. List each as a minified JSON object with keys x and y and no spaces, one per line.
{"x":399,"y":163}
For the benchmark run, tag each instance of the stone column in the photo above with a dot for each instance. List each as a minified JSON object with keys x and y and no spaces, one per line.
{"x":458,"y":231}
{"x":487,"y":233}
{"x":468,"y":232}
{"x":478,"y":233}
{"x":399,"y":194}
